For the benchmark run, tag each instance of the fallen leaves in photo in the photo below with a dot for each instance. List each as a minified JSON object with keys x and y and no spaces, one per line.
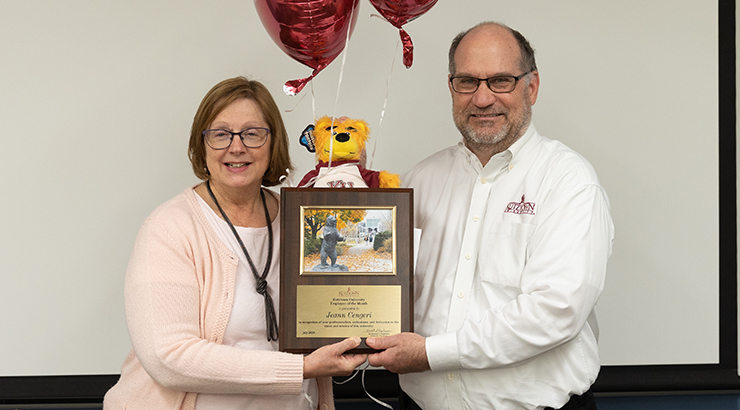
{"x":365,"y":261}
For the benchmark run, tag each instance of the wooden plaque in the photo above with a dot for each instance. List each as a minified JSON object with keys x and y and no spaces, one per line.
{"x":368,"y":289}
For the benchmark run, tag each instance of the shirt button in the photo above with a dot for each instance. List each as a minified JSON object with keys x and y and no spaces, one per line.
{"x":451,"y":376}
{"x":468,"y":256}
{"x":461,"y":295}
{"x":475,"y":219}
{"x":483,"y":180}
{"x":511,"y":166}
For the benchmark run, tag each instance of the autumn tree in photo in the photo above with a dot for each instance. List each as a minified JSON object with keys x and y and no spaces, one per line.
{"x":315,"y":219}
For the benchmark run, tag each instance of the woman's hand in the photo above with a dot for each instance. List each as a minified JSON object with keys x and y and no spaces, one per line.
{"x":330,"y":360}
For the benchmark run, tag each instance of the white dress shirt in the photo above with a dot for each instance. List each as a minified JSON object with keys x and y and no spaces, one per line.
{"x":512,"y":260}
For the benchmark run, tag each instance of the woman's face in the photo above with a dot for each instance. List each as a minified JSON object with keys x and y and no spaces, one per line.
{"x":238,"y":166}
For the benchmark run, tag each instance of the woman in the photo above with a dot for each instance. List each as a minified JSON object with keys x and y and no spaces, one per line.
{"x":202,"y":282}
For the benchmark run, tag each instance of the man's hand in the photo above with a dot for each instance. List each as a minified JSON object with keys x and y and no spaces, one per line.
{"x":401,"y":353}
{"x":331,"y":360}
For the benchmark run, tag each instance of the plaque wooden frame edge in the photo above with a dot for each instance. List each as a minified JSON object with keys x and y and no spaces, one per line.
{"x":292,"y":199}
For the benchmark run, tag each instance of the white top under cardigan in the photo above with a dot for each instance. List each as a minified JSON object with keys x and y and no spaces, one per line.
{"x":246,"y":327}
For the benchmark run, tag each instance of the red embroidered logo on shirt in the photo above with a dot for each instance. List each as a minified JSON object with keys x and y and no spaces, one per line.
{"x":520,"y":207}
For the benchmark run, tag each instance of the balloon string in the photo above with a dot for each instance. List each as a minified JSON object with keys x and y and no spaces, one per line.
{"x":363,"y":367}
{"x":380,"y":17}
{"x":296,"y":105}
{"x":313,"y":101}
{"x":386,"y":405}
{"x":287,"y":178}
{"x":385,"y":104}
{"x":339,"y":84}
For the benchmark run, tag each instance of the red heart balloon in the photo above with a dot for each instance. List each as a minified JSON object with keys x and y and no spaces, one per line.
{"x":400,"y":12}
{"x":313,"y":32}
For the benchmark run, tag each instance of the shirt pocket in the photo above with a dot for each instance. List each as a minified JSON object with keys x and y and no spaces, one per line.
{"x":503,"y":253}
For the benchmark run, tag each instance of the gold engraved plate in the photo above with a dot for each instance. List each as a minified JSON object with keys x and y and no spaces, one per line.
{"x":344,"y":311}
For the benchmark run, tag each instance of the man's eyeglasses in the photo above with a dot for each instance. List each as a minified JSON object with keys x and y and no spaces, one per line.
{"x":499,"y":84}
{"x":251,"y":137}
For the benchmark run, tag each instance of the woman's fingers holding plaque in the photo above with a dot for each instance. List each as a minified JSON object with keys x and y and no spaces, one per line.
{"x":331,"y":360}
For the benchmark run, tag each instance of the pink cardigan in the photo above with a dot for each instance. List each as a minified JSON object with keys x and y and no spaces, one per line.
{"x":178,"y":294}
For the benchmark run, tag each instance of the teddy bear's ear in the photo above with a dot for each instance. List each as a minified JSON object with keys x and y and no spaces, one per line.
{"x":362,"y":126}
{"x":323,"y":122}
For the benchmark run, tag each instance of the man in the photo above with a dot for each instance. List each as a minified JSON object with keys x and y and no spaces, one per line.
{"x":515,"y":237}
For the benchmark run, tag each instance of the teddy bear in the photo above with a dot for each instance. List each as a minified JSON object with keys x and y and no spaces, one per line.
{"x":345,"y":138}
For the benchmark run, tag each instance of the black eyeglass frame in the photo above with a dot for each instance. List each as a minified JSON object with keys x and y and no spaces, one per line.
{"x":515,"y":77}
{"x":241,"y":137}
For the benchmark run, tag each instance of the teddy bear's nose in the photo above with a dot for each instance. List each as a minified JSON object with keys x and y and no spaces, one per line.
{"x":343,"y":137}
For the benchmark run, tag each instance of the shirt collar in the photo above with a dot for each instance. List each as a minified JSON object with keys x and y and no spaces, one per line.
{"x":516,"y":147}
{"x":505,"y":158}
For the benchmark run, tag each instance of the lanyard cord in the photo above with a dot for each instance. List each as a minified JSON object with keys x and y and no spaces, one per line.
{"x":270,"y":317}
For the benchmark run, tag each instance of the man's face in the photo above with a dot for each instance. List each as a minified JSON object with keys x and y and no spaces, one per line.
{"x":485,"y":118}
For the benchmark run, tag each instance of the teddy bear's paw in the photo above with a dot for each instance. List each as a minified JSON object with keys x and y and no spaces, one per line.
{"x":389,"y":180}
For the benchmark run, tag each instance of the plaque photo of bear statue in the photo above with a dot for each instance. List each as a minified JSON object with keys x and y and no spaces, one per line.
{"x":329,"y":248}
{"x":346,"y":240}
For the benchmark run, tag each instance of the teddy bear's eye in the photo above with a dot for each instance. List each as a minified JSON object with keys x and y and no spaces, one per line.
{"x":329,"y":128}
{"x":351,"y":129}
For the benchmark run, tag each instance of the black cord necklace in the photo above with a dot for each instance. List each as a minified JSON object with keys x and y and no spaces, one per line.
{"x":270,"y":318}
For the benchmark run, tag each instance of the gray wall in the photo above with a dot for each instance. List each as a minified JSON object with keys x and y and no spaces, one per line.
{"x":97,"y":97}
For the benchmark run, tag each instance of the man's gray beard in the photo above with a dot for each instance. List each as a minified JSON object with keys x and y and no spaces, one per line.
{"x":482,"y":139}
